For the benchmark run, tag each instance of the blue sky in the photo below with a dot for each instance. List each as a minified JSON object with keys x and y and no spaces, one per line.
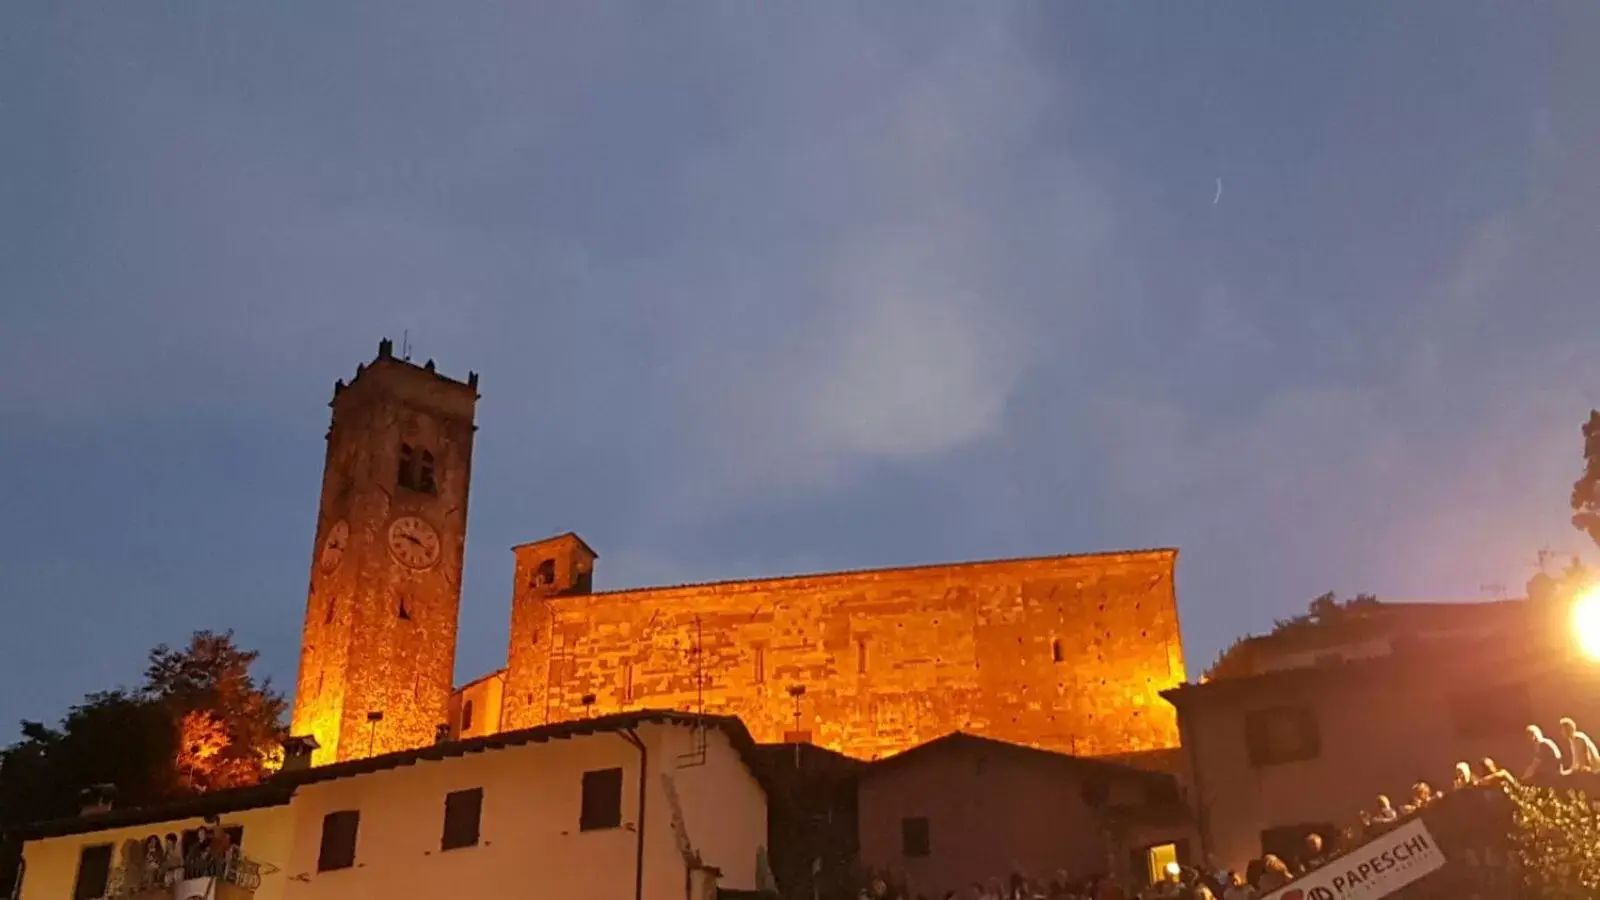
{"x":768,"y":288}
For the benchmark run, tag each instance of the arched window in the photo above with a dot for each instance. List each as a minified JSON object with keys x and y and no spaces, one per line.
{"x":545,"y":574}
{"x":417,"y":470}
{"x":406,"y":476}
{"x":425,"y":480}
{"x":466,"y":717}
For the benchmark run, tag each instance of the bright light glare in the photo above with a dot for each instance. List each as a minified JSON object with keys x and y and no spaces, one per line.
{"x":1586,"y":622}
{"x":1172,"y":869}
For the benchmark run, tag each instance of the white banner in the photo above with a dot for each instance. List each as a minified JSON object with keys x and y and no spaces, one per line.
{"x":1376,"y":869}
{"x":195,"y":889}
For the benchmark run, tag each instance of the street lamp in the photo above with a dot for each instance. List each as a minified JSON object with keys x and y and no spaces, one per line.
{"x":1586,"y":622}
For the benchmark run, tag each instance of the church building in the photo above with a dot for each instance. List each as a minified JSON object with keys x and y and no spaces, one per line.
{"x":1067,"y":653}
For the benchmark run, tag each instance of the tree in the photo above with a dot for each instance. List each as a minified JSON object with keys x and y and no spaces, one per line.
{"x":1556,"y":841}
{"x":1325,"y":609}
{"x":1586,"y":490}
{"x":230,"y":730}
{"x":110,"y":738}
{"x":198,"y":723}
{"x":114,"y":738}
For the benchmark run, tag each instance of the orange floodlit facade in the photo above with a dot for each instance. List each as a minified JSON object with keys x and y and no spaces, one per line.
{"x":1069,"y":653}
{"x":378,"y":648}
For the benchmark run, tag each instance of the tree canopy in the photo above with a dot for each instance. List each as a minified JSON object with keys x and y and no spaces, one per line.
{"x":229,"y":729}
{"x":1326,"y":609}
{"x":1556,"y":840}
{"x":1586,"y":490}
{"x":199,"y":722}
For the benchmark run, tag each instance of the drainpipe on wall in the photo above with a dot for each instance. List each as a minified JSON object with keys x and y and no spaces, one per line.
{"x":632,"y":737}
{"x":1202,"y":810}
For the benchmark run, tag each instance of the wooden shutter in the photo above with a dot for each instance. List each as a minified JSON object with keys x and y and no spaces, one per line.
{"x":338,"y":840}
{"x":462,"y":813}
{"x":94,"y":872}
{"x":602,"y":800}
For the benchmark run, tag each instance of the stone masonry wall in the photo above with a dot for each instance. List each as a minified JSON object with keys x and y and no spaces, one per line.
{"x":1068,"y":653}
{"x":379,"y":637}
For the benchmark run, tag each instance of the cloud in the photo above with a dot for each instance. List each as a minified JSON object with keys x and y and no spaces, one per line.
{"x":761,"y":289}
{"x":925,"y":222}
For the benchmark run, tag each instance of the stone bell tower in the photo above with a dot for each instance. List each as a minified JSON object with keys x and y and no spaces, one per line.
{"x":377,"y":653}
{"x":561,"y":566}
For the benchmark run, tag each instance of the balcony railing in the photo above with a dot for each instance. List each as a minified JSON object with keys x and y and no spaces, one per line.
{"x":207,"y":878}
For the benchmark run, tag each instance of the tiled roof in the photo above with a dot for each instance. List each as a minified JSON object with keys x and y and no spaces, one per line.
{"x":963,"y":740}
{"x":280,"y":788}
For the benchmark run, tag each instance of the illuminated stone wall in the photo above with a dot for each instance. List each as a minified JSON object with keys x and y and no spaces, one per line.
{"x":380,"y":627}
{"x":1068,"y":653}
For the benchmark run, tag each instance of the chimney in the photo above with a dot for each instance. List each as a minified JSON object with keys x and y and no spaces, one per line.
{"x":96,"y":799}
{"x":297,"y":753}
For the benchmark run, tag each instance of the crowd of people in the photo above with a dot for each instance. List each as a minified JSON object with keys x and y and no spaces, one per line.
{"x":1548,"y":766}
{"x":157,"y":863}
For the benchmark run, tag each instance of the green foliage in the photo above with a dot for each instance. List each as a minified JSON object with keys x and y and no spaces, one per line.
{"x":110,"y":738}
{"x":1556,"y":841}
{"x":1586,"y":490}
{"x":1325,"y":609}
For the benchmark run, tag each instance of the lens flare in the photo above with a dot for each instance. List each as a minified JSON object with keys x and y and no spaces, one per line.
{"x":1586,"y":622}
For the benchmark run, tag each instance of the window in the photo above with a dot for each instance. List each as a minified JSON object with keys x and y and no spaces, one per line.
{"x":94,"y":872}
{"x":462,"y":812}
{"x":406,"y":477}
{"x":1496,"y":710}
{"x":602,"y":800}
{"x":1055,"y":650}
{"x":584,"y":583}
{"x":416,"y":471}
{"x":404,"y":612}
{"x":761,"y":663}
{"x":545,"y":574}
{"x":466,"y":717}
{"x":1282,"y":734}
{"x":914,"y":837}
{"x":1153,"y":864}
{"x":425,"y":480}
{"x":338,"y":840}
{"x":861,"y":655}
{"x":627,"y":683}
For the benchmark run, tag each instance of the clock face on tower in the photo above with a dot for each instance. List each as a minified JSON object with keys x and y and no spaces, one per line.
{"x":333,"y":545}
{"x":413,"y":542}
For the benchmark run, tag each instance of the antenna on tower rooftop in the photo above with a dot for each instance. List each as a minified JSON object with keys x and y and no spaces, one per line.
{"x":405,"y":345}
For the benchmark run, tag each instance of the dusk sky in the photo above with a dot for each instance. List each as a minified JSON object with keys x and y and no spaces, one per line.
{"x":767,"y":288}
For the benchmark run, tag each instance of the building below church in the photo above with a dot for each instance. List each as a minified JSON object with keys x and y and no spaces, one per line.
{"x":1068,"y":653}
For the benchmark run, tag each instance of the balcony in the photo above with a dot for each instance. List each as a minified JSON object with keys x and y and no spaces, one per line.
{"x":234,"y":879}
